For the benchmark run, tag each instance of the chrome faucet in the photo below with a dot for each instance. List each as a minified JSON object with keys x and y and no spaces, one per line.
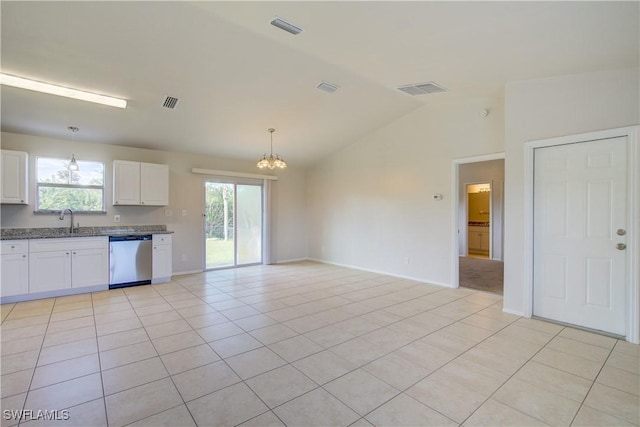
{"x":72,"y":229}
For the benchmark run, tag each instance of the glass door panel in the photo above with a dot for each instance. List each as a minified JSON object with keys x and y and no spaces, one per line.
{"x":233,"y":224}
{"x":219,"y":225}
{"x":249,"y":224}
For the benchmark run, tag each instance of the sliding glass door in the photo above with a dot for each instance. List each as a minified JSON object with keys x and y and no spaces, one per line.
{"x":233,"y":224}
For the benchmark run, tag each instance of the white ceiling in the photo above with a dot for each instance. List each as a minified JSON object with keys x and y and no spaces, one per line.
{"x":236,"y":75}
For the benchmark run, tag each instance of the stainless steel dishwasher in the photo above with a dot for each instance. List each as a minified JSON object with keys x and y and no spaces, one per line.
{"x":129,"y":260}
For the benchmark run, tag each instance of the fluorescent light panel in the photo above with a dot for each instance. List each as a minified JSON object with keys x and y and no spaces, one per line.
{"x":23,"y":83}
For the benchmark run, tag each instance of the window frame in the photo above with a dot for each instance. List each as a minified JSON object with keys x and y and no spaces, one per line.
{"x":39,"y":185}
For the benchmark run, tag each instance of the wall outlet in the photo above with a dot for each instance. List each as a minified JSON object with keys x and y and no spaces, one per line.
{"x":184,"y":212}
{"x":168,"y":212}
{"x":406,"y":260}
{"x":184,"y":257}
{"x":116,"y":218}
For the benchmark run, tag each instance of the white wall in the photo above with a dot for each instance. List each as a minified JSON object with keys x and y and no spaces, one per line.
{"x":370,"y":205}
{"x":185,"y":192}
{"x":545,"y":108}
{"x":488,"y":171}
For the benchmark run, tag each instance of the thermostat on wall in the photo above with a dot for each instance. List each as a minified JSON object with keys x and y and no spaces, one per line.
{"x":437,"y":196}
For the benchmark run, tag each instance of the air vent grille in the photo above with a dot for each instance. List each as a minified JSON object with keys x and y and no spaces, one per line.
{"x":422,"y":88}
{"x":170,"y":102}
{"x":328,"y":87}
{"x":286,"y":26}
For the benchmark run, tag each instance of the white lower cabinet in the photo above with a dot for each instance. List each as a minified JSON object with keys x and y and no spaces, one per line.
{"x":89,"y":267}
{"x":49,"y":271}
{"x":14,"y":267}
{"x":58,"y":264}
{"x":162,"y":258}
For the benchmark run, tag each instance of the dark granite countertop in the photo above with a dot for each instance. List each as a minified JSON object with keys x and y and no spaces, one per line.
{"x":478,"y":224}
{"x":60,"y":232}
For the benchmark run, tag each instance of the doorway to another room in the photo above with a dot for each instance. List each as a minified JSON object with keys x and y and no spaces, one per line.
{"x":479,"y":218}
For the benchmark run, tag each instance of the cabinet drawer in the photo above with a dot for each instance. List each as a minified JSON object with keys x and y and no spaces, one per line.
{"x":14,"y":247}
{"x":161,"y":239}
{"x":71,"y":243}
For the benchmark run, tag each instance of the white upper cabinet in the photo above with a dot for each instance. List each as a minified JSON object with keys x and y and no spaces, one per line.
{"x":136,"y":183}
{"x":126,"y":182}
{"x":154,"y":184}
{"x":14,"y":186}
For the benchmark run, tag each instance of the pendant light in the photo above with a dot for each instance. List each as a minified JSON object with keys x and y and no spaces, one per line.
{"x":73,"y":165}
{"x":271,"y":161}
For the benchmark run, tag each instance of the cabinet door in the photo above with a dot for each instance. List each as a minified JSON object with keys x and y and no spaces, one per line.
{"x":154,"y":184}
{"x":89,"y":267}
{"x":161,"y":263}
{"x":14,"y":177}
{"x":484,"y":241}
{"x":126,"y":183}
{"x":15,"y":274}
{"x":473,"y":240}
{"x":49,"y":271}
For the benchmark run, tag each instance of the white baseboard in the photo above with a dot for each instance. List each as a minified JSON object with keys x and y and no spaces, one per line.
{"x":282,"y":261}
{"x":517,"y":313}
{"x":386,"y":273}
{"x":182,"y":273}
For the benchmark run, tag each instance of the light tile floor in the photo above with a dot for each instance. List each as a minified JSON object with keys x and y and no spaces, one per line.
{"x":306,"y":344}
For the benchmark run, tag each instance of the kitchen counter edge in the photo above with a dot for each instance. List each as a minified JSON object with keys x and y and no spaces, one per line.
{"x":57,"y":233}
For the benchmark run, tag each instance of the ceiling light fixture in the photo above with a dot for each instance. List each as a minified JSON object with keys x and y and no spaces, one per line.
{"x":286,"y":26}
{"x":22,"y":83}
{"x":271,"y":161}
{"x":73,"y":165}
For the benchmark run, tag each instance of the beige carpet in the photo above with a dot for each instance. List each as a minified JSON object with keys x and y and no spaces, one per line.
{"x":482,"y":274}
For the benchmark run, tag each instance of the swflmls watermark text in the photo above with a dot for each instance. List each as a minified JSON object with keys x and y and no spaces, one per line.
{"x":39,"y":414}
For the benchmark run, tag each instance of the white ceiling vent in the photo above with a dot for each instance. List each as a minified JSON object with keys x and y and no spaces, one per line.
{"x":328,"y":87}
{"x":286,"y":26}
{"x":170,"y":102}
{"x":421,"y":88}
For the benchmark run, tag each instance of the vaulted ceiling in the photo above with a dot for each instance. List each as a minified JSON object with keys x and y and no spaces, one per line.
{"x":236,"y":75}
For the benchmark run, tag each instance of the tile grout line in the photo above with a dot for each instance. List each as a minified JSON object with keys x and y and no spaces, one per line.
{"x":595,"y":379}
{"x":104,"y":395}
{"x":163,"y":365}
{"x":28,"y":391}
{"x":512,"y":376}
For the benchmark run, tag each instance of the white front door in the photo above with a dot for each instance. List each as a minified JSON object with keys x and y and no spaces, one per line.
{"x":580,"y":218}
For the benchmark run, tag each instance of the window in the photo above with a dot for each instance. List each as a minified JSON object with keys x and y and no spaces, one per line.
{"x":59,"y":188}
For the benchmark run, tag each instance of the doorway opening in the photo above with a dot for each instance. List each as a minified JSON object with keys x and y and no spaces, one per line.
{"x":478,"y":241}
{"x":233,"y":222}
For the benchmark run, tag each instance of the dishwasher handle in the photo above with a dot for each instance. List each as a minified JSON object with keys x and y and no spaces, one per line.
{"x":129,"y":238}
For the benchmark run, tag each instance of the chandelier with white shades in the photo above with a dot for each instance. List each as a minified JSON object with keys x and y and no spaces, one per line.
{"x":271,"y":161}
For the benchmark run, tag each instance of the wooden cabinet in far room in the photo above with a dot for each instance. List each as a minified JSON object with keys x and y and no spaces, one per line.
{"x":136,"y":183}
{"x":162,"y":258}
{"x":14,"y":186}
{"x":478,"y":240}
{"x":14,"y":265}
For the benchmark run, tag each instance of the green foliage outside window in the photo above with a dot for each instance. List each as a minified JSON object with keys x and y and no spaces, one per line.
{"x":59,"y":188}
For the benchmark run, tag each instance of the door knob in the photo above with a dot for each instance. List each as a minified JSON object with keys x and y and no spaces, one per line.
{"x":621,"y":232}
{"x":621,"y":246}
